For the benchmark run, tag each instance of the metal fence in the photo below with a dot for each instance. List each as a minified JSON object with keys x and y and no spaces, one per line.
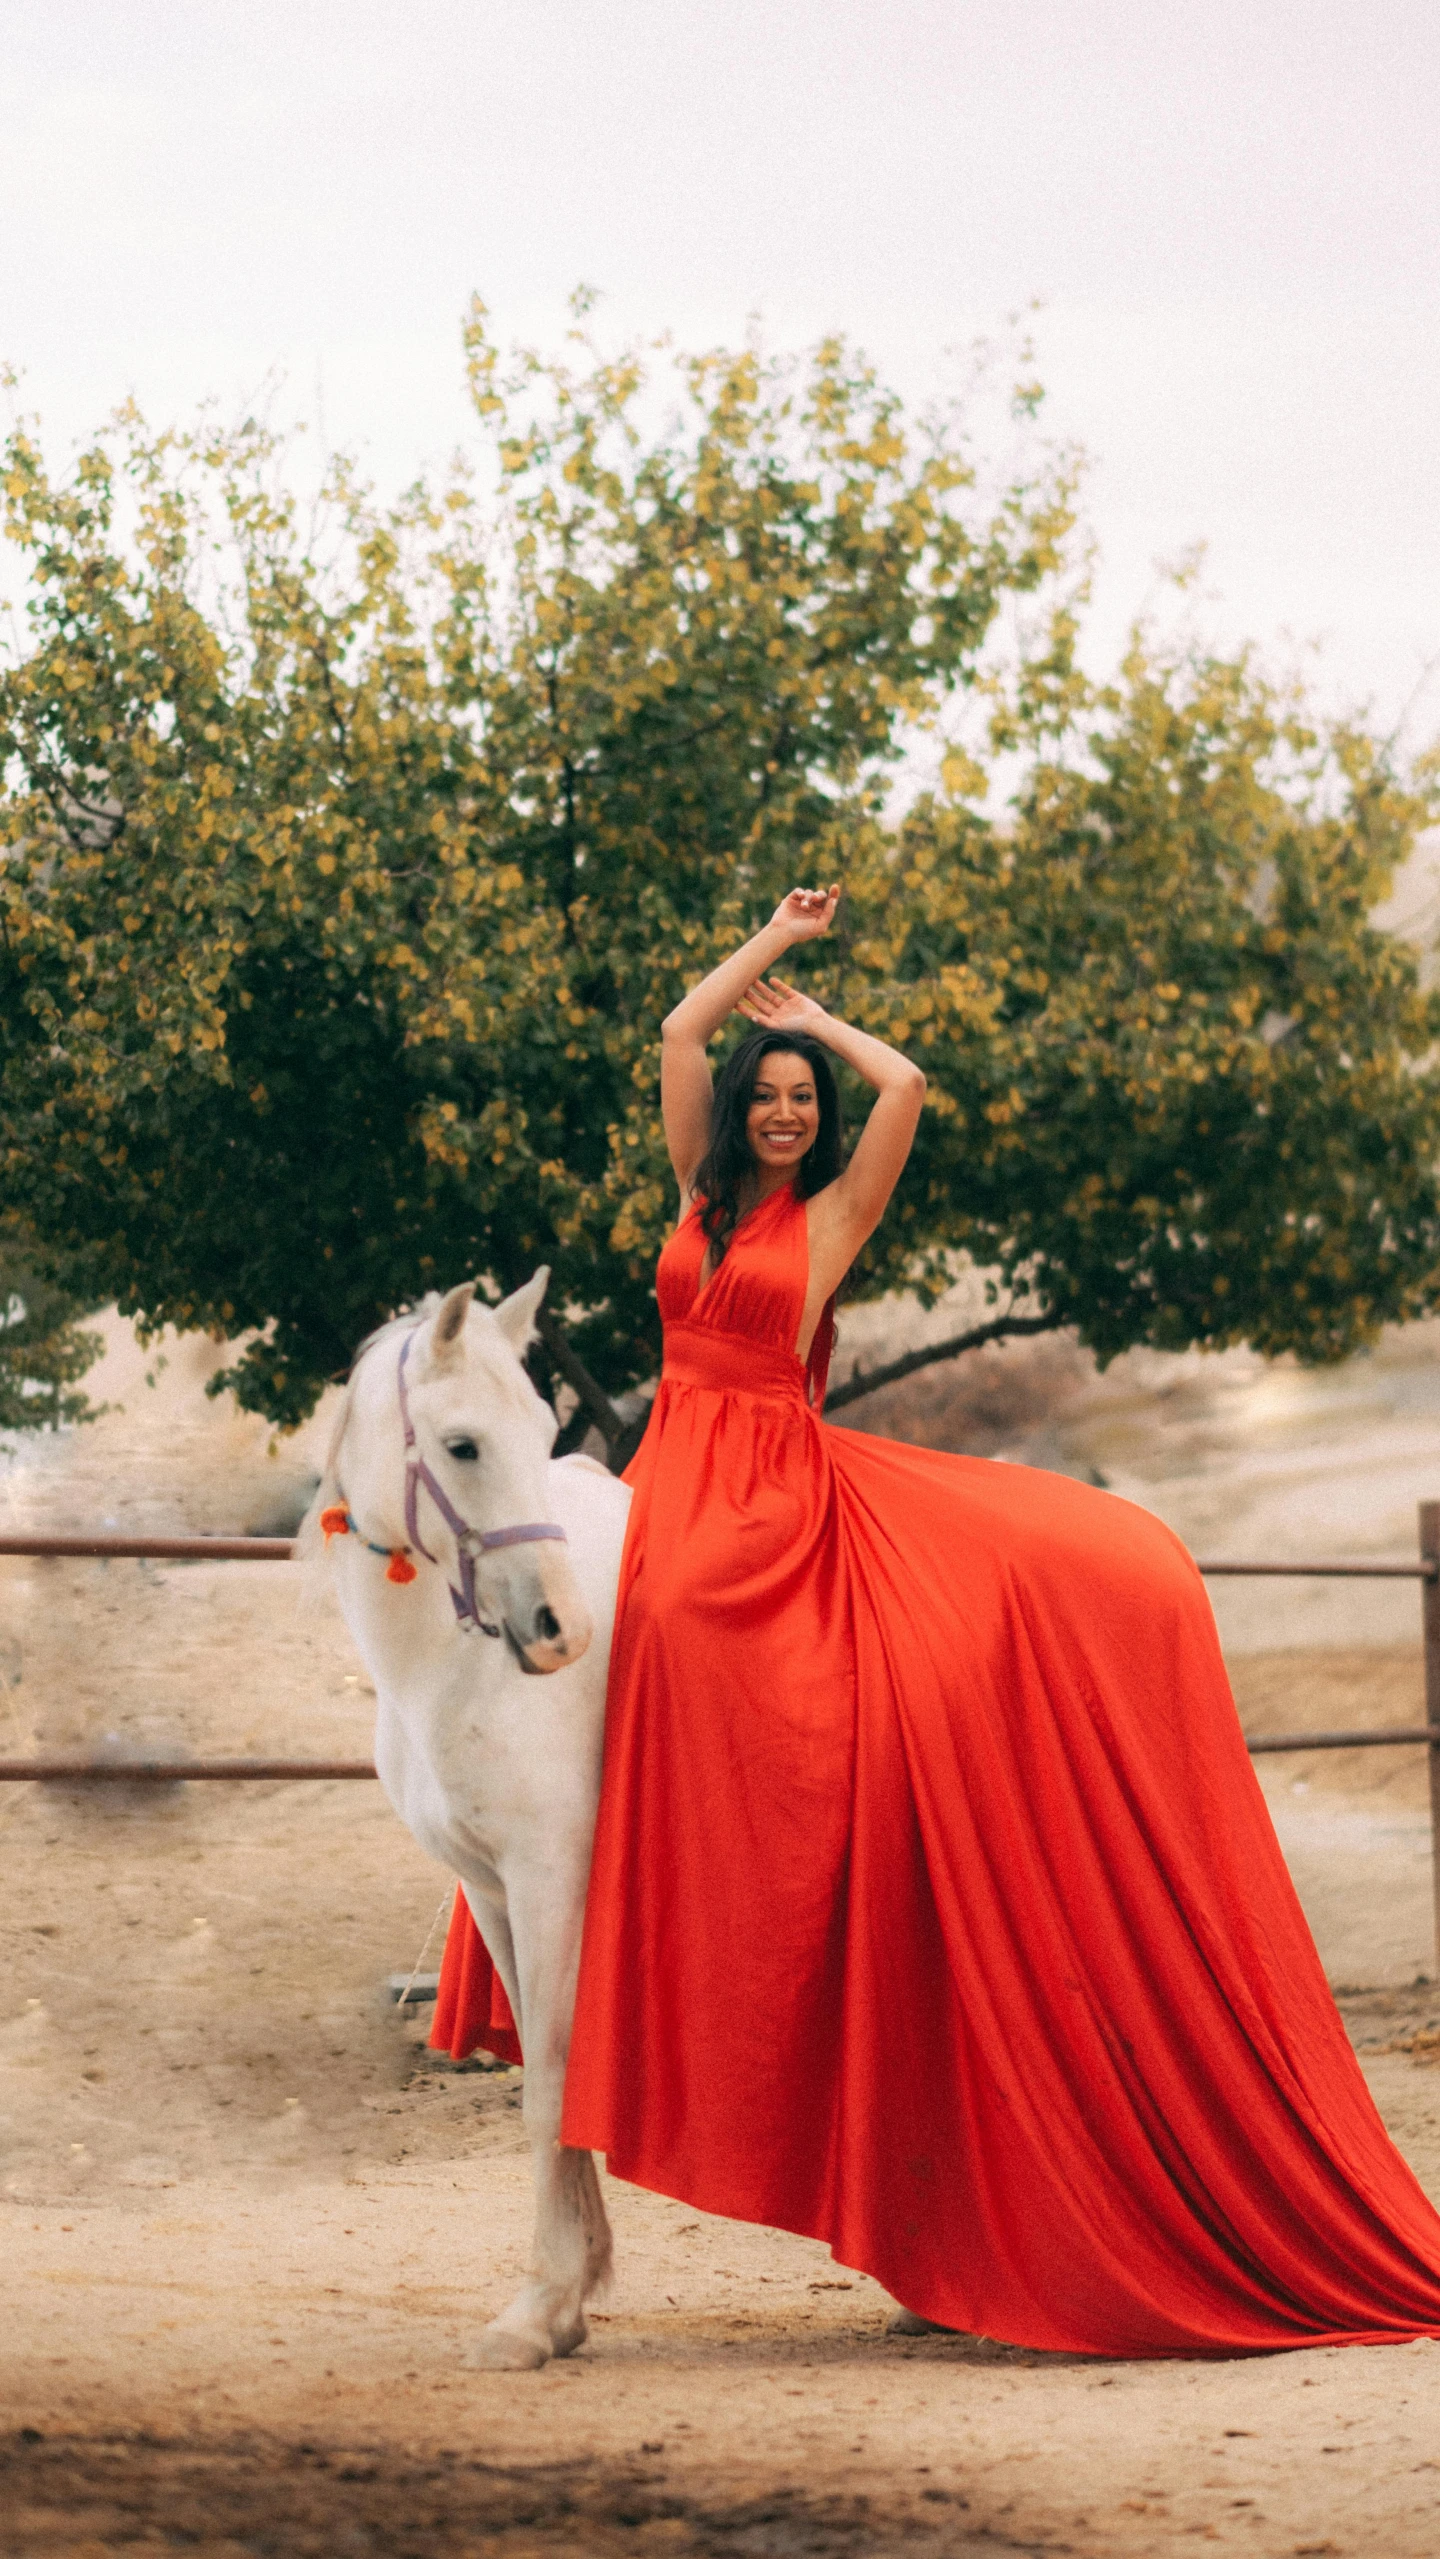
{"x":278,"y":1550}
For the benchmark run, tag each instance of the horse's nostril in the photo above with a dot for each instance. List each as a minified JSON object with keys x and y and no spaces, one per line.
{"x":547,"y":1625}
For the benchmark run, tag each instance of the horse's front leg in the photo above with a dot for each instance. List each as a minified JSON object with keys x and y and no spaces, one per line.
{"x":570,"y":2256}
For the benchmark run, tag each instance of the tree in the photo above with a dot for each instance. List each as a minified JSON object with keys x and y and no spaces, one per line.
{"x":350,"y":865}
{"x":1201,"y":1104}
{"x":43,"y":1352}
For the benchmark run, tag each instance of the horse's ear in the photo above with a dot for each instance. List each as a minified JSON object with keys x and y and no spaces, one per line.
{"x":447,"y":1332}
{"x":516,"y":1314}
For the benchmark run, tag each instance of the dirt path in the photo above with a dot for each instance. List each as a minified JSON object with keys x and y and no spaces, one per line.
{"x":244,"y":2212}
{"x":740,"y":2393}
{"x":250,"y":2228}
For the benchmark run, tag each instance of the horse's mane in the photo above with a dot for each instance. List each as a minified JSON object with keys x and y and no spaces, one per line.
{"x":406,"y":1321}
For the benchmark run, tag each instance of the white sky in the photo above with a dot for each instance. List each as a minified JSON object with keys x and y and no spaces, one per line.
{"x":1230,"y":209}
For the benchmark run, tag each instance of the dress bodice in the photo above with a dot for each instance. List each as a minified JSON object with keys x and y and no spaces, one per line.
{"x":759,"y":1291}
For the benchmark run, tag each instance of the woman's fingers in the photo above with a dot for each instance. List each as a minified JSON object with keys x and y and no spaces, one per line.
{"x":816,"y":906}
{"x":771,"y":1001}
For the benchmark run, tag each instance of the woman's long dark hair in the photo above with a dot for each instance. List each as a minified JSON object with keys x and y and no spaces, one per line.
{"x":723,"y":1172}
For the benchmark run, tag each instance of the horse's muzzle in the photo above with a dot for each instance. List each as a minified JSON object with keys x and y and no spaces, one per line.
{"x":555,"y":1652}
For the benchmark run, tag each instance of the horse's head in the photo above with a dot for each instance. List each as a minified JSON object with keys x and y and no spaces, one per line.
{"x":476,"y":1470}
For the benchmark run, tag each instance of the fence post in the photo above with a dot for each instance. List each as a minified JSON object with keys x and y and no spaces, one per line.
{"x":1430,"y":1618}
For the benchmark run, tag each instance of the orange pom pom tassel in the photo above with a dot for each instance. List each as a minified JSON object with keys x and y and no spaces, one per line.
{"x":399,"y":1568}
{"x":336,"y":1521}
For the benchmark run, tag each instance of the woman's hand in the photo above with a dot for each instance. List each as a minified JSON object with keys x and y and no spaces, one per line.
{"x":806,"y":912}
{"x":778,"y":1007}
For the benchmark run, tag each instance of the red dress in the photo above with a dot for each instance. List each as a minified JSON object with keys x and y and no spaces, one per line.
{"x":935,"y":1909}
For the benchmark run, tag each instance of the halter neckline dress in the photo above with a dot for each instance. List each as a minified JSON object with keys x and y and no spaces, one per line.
{"x":935,"y":1909}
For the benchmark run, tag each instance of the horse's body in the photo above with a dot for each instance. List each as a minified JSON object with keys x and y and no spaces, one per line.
{"x":495,"y":1770}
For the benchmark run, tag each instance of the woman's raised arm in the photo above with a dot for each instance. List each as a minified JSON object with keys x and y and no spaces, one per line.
{"x":685,"y":1086}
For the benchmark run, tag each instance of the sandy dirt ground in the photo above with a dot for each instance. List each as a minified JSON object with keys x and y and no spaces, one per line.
{"x":250,"y":2227}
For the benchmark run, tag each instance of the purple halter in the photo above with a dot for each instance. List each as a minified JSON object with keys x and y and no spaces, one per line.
{"x":469,"y":1542}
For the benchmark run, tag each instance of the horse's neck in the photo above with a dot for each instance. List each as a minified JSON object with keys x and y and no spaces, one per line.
{"x":407,"y":1631}
{"x":461,"y":1739}
{"x":370,"y":1462}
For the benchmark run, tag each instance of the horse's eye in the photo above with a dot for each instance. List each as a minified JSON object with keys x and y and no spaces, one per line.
{"x":464,"y":1449}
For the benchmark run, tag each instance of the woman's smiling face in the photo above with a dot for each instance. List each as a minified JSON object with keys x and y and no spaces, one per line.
{"x":783,"y":1120}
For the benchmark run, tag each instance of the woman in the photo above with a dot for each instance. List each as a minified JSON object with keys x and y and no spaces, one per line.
{"x":935,"y":1910}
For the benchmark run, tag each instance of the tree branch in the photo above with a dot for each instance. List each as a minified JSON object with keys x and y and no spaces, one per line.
{"x":621,"y":1438}
{"x":867,"y":1381}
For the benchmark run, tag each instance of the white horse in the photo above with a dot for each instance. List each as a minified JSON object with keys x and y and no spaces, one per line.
{"x":471,"y":1560}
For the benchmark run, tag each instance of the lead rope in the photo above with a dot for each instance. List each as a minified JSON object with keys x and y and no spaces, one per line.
{"x":404,"y":1998}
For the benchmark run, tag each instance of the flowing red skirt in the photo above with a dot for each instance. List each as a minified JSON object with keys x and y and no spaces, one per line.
{"x":472,"y":2013}
{"x":935,"y":1908}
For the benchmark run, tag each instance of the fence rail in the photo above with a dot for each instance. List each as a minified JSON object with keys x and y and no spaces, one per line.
{"x":169,"y":1772}
{"x":1425,"y":1571}
{"x":174,"y":1550}
{"x":106,"y":1543}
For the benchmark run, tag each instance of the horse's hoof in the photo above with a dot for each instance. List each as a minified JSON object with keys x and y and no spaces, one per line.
{"x":908,"y":2323}
{"x":569,"y":2338}
{"x":500,"y":2349}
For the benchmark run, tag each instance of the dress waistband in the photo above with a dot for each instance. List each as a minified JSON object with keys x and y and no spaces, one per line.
{"x":730,"y":1364}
